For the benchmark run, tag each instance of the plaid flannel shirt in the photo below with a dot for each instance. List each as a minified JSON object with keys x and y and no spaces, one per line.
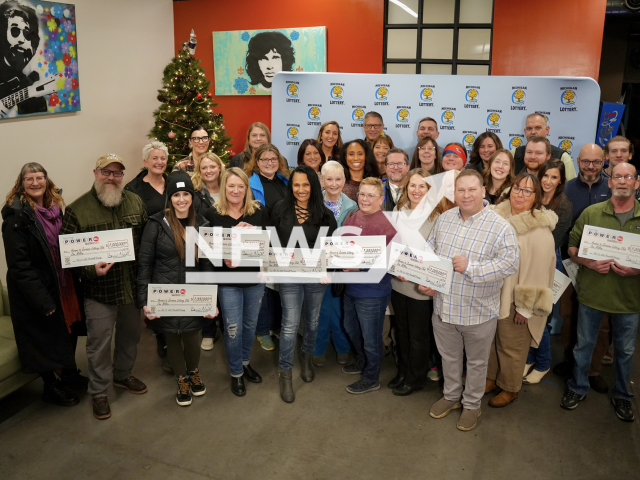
{"x":187,"y":165}
{"x":490,"y":244}
{"x":87,"y":214}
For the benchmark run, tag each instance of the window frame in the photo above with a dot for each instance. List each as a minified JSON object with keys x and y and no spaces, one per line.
{"x":456,"y":26}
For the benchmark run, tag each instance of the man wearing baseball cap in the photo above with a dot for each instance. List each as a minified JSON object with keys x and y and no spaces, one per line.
{"x":109,"y":288}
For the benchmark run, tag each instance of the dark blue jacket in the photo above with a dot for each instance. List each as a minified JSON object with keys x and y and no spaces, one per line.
{"x":582,"y":195}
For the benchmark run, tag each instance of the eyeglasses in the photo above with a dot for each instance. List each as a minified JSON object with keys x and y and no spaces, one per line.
{"x":525,"y":191}
{"x":106,"y":173}
{"x":29,"y":180}
{"x":368,"y":196}
{"x":625,"y":177}
{"x":372,"y":125}
{"x":396,"y":165}
{"x":428,"y":149}
{"x":268,"y":160}
{"x":200,"y":139}
{"x":595,"y":163}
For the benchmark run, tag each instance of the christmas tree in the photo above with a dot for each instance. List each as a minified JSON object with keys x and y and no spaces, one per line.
{"x":187,"y":102}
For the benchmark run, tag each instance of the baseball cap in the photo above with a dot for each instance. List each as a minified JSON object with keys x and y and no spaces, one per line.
{"x":108,"y":158}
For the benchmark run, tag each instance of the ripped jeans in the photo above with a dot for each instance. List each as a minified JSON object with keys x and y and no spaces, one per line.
{"x":239,"y":307}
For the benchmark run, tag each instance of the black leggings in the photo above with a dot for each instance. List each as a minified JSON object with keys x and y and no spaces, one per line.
{"x":183,"y":348}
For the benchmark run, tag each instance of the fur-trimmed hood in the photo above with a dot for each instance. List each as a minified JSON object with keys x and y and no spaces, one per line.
{"x":525,"y":221}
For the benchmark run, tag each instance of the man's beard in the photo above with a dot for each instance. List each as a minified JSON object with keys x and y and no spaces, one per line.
{"x":108,"y":196}
{"x":622,"y":193}
{"x":18,"y":58}
{"x":589,"y":177}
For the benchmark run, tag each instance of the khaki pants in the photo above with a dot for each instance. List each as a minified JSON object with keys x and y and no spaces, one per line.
{"x":508,"y":354}
{"x":569,"y":332}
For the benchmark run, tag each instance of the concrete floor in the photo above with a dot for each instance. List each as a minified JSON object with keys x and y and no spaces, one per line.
{"x":325,"y":434}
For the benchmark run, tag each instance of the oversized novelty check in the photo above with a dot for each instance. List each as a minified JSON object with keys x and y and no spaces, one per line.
{"x":355,"y":252}
{"x":560,"y":284}
{"x":292,"y":263}
{"x":602,"y":243}
{"x":80,"y":249}
{"x":421,"y":267}
{"x":249,"y":243}
{"x":189,"y":300}
{"x":571,"y":268}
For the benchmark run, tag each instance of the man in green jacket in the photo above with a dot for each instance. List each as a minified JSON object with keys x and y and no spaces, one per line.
{"x":607,"y":287}
{"x":109,"y":288}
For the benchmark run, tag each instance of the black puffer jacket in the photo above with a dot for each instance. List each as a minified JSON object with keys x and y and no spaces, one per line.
{"x":158,"y":262}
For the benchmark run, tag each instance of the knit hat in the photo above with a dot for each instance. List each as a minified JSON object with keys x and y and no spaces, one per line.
{"x":179,"y":182}
{"x":456,"y":150}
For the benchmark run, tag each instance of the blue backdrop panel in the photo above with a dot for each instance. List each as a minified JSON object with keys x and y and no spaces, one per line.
{"x":463,"y":105}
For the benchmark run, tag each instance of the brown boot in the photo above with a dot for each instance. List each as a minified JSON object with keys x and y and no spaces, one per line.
{"x":503,"y":399}
{"x":490,"y":386}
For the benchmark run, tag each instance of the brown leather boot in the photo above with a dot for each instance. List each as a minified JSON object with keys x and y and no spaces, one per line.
{"x":503,"y":399}
{"x":490,"y":386}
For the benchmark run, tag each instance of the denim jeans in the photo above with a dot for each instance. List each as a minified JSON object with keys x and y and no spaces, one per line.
{"x":541,"y":356}
{"x":295,"y":298}
{"x":270,"y":313}
{"x":363,"y":319}
{"x":239,"y":307}
{"x":625,"y":328}
{"x":330,"y":322}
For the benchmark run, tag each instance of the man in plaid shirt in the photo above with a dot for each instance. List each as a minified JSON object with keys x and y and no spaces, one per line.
{"x":484,"y":251}
{"x":109,"y":288}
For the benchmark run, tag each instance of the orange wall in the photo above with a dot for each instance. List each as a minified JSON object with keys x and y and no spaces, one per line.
{"x":354,"y":41}
{"x":547,"y":37}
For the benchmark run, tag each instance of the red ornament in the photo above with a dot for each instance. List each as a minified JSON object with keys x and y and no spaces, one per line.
{"x":223,"y":127}
{"x":171,"y":135}
{"x":199,"y":96}
{"x":209,"y":94}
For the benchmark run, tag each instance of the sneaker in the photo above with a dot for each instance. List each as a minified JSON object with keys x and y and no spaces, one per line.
{"x":570,"y":400}
{"x":265,"y":342}
{"x":183,"y":397}
{"x":353,"y":368}
{"x":132,"y":384}
{"x":207,"y":344}
{"x":101,"y":408}
{"x":434,"y":374}
{"x":624,"y":410}
{"x":468,"y":419}
{"x":607,"y":359}
{"x":56,"y":394}
{"x":442,"y":407}
{"x":363,"y":386}
{"x":195,"y":382}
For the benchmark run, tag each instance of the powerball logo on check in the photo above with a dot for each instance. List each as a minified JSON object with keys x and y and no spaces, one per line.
{"x":69,"y":241}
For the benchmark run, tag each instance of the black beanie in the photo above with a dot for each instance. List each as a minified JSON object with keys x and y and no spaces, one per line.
{"x":179,"y":182}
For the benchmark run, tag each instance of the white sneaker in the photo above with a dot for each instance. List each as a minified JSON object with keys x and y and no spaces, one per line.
{"x":527,"y":367}
{"x":207,"y":344}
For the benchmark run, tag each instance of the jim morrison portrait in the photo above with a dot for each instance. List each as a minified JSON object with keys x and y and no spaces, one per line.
{"x":267,"y":54}
{"x":247,"y":61}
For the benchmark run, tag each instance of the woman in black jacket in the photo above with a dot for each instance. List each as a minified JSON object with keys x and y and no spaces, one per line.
{"x":44,"y":308}
{"x":302,"y":208}
{"x":162,"y":260}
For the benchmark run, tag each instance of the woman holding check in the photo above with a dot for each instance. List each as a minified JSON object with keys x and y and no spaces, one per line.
{"x":302,"y":211}
{"x":239,"y":302}
{"x":162,"y":259}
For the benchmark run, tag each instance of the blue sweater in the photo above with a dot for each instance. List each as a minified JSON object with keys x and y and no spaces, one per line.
{"x":582,"y":195}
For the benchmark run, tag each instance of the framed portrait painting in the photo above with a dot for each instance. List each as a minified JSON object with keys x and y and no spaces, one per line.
{"x":245,"y":61}
{"x":39,"y":64}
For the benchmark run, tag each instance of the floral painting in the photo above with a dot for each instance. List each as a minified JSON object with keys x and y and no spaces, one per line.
{"x":245,"y":61}
{"x":39,"y":64}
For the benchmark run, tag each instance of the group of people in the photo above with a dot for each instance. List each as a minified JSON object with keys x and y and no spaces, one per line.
{"x":510,"y":221}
